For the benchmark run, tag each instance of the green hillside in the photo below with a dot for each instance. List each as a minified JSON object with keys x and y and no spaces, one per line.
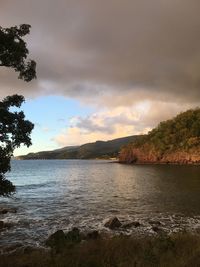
{"x":99,"y":149}
{"x":175,"y":140}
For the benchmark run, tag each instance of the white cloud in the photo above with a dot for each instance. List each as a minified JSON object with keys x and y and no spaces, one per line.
{"x":117,"y":122}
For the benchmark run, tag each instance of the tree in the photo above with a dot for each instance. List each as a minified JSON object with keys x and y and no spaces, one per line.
{"x":14,"y":129}
{"x":13,"y":51}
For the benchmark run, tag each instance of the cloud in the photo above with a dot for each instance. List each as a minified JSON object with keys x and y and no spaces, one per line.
{"x":102,"y":50}
{"x":136,"y":61}
{"x":117,"y":122}
{"x":75,"y":136}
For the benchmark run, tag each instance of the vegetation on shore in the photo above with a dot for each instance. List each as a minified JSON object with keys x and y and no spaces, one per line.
{"x":99,"y":149}
{"x":178,"y":250}
{"x":172,"y":141}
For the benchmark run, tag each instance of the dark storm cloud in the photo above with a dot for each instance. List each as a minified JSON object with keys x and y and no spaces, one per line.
{"x":134,"y":49}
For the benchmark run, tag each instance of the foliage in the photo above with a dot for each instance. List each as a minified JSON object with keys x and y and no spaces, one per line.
{"x":14,"y":131}
{"x":181,"y":132}
{"x":99,"y":149}
{"x":13,"y":51}
{"x":177,"y":250}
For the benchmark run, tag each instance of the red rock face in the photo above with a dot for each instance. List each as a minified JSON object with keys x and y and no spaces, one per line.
{"x":183,"y":157}
{"x":142,"y":154}
{"x":148,"y":154}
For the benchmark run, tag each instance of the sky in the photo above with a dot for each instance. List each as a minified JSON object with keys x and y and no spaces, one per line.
{"x":105,"y":69}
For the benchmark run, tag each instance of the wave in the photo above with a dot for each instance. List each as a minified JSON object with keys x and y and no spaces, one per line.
{"x":34,"y":186}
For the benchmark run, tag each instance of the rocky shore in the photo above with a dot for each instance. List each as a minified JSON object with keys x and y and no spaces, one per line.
{"x":3,"y":211}
{"x":77,"y":249}
{"x":147,"y":154}
{"x":111,"y":248}
{"x":108,"y":227}
{"x":61,"y":238}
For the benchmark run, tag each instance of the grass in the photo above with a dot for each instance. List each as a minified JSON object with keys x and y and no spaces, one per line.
{"x":175,"y":251}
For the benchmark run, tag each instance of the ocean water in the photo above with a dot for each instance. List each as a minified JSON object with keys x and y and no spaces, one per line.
{"x":60,"y":194}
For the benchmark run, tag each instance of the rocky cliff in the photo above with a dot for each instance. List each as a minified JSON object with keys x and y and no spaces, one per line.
{"x":145,"y":155}
{"x":174,"y":141}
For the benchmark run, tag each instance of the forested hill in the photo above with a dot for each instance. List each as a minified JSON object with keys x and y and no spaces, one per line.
{"x":99,"y":149}
{"x":172,"y":141}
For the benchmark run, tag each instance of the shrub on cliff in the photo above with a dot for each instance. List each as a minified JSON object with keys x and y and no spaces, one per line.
{"x":181,"y":133}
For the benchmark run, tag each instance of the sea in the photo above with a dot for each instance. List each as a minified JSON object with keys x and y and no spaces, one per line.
{"x":56,"y":195}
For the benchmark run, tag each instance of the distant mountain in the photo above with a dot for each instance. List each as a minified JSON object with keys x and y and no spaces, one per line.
{"x":172,"y":141}
{"x":99,"y":149}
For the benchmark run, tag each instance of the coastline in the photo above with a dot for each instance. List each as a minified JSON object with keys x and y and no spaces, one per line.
{"x":110,"y":160}
{"x":160,"y":163}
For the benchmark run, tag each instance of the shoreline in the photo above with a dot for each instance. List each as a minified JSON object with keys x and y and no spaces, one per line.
{"x":111,"y":227}
{"x":160,"y":163}
{"x":123,"y":162}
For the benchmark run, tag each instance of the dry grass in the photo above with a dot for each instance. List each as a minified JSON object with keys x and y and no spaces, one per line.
{"x":179,"y":250}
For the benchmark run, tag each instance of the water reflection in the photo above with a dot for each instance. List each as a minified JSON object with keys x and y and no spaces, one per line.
{"x":58,"y":194}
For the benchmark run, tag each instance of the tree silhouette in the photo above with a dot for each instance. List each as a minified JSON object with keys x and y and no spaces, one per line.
{"x":14,"y":129}
{"x":13,"y":51}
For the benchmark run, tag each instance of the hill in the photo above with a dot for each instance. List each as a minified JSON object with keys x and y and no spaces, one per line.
{"x":172,"y":141}
{"x":99,"y":149}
